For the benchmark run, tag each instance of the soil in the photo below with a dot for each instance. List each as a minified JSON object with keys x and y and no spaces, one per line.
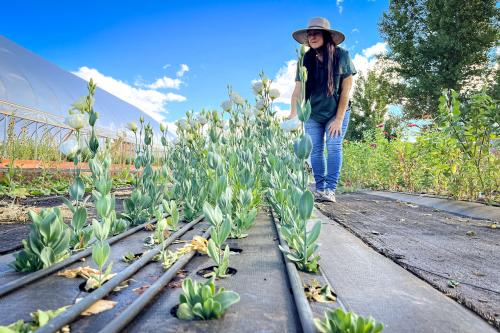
{"x":438,"y":247}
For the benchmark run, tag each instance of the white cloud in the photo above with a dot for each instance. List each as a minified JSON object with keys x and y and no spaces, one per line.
{"x":365,"y":61}
{"x":165,"y":82}
{"x":150,"y":101}
{"x":171,"y":97}
{"x":339,"y":5}
{"x":184,"y":69}
{"x":166,"y":66}
{"x":355,"y":30}
{"x":379,"y":48}
{"x":285,"y":81}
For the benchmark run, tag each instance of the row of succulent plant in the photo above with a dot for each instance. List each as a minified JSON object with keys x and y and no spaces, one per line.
{"x":288,"y":190}
{"x":50,"y":239}
{"x":286,"y":180}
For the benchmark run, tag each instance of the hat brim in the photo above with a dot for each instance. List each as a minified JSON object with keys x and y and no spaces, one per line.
{"x":301,"y":36}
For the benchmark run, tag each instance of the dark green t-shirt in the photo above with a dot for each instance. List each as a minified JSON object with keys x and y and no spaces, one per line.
{"x":324,"y":107}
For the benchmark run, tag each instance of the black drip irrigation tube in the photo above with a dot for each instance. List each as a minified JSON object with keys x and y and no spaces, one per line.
{"x":75,"y":310}
{"x":18,"y":283}
{"x":119,"y":322}
{"x":303,"y":307}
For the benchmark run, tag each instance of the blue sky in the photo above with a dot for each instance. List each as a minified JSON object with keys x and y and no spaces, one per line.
{"x":137,"y":48}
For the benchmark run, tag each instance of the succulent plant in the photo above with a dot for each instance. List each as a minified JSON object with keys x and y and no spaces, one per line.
{"x":47,"y":243}
{"x":338,"y":321}
{"x":204,"y":301}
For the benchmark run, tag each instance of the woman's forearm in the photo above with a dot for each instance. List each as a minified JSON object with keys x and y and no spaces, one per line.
{"x":342,"y":106}
{"x":293,"y":107}
{"x":344,"y":98}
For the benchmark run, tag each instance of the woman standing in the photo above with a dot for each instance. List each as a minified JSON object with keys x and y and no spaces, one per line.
{"x":329,"y":81}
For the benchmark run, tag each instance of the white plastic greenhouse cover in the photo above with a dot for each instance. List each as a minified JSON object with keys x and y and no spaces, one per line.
{"x":30,"y":81}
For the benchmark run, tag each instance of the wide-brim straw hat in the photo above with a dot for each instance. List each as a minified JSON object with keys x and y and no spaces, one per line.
{"x":318,"y":23}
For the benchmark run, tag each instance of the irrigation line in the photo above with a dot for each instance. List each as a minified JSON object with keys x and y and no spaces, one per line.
{"x":119,"y":322}
{"x":18,"y":283}
{"x":448,"y":278}
{"x":303,"y":307}
{"x":75,"y":310}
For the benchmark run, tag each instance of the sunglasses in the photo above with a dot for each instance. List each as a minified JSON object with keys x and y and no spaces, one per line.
{"x":312,"y":33}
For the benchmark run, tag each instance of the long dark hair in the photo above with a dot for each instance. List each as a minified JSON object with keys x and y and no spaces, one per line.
{"x":328,"y":52}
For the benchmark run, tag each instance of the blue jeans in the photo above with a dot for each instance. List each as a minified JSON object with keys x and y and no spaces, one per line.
{"x":317,"y":131}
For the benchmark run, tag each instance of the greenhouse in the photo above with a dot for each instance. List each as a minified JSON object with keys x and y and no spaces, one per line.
{"x":239,"y":217}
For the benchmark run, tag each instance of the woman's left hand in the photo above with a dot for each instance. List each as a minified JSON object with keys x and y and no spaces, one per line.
{"x":335,"y":128}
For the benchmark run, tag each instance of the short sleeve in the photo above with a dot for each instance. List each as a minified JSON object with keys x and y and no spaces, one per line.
{"x":346,"y":66}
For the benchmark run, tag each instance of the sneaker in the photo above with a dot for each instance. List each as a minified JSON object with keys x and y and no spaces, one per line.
{"x":329,"y":195}
{"x":318,"y":195}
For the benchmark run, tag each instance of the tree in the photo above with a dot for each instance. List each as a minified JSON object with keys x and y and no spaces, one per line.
{"x":438,"y":44}
{"x":370,"y":100}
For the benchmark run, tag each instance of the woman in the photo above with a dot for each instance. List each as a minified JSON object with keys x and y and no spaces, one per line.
{"x":329,"y":81}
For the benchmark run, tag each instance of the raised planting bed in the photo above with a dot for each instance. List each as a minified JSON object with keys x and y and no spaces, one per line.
{"x":457,"y":255}
{"x":39,"y":294}
{"x":266,"y":300}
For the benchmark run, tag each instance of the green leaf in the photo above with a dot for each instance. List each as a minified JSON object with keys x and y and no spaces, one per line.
{"x":79,"y":218}
{"x":303,"y":146}
{"x":213,"y":251}
{"x":313,"y":235}
{"x":103,"y":206}
{"x":306,"y":205}
{"x":198,"y":311}
{"x":213,"y":215}
{"x":225,"y":231}
{"x":68,"y":204}
{"x":77,"y":189}
{"x":227,"y":298}
{"x":47,"y":257}
{"x":184,"y":312}
{"x":100,"y":253}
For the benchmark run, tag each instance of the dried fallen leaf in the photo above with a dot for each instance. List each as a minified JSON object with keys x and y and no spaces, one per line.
{"x":470,"y":233}
{"x":182,"y":273}
{"x":130,"y":256}
{"x":493,"y":226}
{"x":98,"y":307}
{"x":92,"y":281}
{"x":177,"y":281}
{"x":149,"y":227}
{"x":453,"y":283}
{"x":199,"y":244}
{"x":122,"y":285}
{"x":318,"y":293}
{"x":140,"y":290}
{"x":84,"y":272}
